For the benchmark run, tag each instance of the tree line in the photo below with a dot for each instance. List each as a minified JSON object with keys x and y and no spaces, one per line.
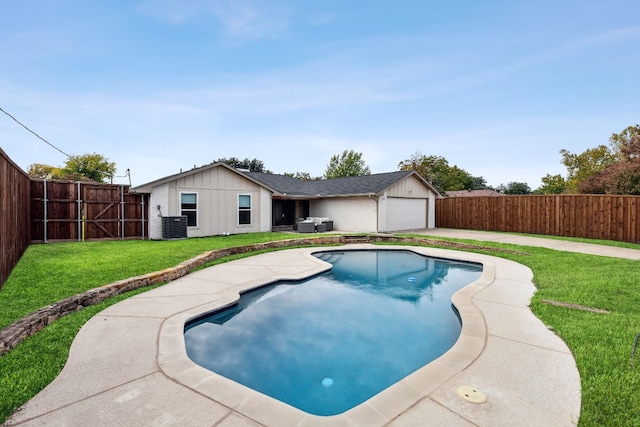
{"x":605,"y":169}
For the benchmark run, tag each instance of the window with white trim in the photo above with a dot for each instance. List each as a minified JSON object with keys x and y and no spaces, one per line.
{"x":244,"y":209}
{"x":189,"y":208}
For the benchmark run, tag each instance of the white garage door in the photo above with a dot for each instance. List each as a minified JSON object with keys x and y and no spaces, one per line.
{"x":406,"y":214}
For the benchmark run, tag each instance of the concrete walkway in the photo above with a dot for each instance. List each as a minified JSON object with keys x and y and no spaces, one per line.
{"x":128,"y":366}
{"x":561,"y":245}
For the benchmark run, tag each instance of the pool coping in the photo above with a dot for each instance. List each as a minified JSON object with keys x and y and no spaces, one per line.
{"x":144,"y":376}
{"x":379,"y":409}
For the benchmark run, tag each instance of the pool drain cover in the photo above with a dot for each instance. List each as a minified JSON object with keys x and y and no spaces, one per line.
{"x":327,"y":382}
{"x":471,"y":394}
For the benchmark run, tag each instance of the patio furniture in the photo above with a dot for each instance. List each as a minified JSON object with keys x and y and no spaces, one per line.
{"x":306,"y":227}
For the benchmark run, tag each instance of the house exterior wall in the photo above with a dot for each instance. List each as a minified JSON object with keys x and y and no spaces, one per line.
{"x":217,"y":192}
{"x":265,"y":210}
{"x":409,"y":187}
{"x":348,"y":213}
{"x":158,"y":198}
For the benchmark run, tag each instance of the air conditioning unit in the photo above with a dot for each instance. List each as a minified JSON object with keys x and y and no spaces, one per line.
{"x":174,"y":227}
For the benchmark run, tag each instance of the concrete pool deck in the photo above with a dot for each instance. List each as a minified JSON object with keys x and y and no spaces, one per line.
{"x":127,"y":365}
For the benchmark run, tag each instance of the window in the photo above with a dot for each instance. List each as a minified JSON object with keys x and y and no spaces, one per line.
{"x":244,"y":209}
{"x":189,"y":208}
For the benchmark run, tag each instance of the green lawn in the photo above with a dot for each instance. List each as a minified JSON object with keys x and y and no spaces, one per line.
{"x":601,"y":343}
{"x":52,"y":272}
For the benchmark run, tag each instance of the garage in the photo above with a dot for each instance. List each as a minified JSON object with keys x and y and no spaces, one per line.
{"x":406,"y":214}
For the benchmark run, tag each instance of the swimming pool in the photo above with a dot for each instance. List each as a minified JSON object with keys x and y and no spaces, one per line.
{"x":331,"y":342}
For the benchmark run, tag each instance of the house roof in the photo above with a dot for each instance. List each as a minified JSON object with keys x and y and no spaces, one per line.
{"x":349,"y":186}
{"x":146,"y":188}
{"x":286,"y":186}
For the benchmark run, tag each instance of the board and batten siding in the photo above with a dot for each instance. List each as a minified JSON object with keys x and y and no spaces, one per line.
{"x":348,"y":214}
{"x":217,"y":189}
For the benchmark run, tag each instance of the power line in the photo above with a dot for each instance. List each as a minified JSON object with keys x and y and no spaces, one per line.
{"x":47,"y":142}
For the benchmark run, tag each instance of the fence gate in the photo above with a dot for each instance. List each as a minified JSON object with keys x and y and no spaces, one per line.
{"x":102,"y":212}
{"x":77,"y":211}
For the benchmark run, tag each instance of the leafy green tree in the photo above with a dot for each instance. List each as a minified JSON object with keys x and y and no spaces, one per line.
{"x":43,"y":171}
{"x":254,"y":165}
{"x":349,"y":163}
{"x":443,"y":177}
{"x":479,"y":183}
{"x":623,"y":145}
{"x":304,"y":176}
{"x":552,"y":184}
{"x":513,"y":188}
{"x":85,"y":167}
{"x":622,"y":177}
{"x":588,"y":163}
{"x":93,"y":166}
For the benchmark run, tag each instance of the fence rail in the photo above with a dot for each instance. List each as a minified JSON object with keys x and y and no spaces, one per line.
{"x":606,"y":217}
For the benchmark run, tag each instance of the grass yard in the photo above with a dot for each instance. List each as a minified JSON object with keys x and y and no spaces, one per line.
{"x":52,"y":272}
{"x":601,"y":343}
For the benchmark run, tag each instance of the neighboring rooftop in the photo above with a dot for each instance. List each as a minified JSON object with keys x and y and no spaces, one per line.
{"x":473,"y":193}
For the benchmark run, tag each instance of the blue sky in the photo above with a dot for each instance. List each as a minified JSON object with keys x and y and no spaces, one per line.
{"x":497,"y":88}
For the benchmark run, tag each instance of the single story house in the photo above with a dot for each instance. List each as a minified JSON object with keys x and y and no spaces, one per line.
{"x":217,"y":199}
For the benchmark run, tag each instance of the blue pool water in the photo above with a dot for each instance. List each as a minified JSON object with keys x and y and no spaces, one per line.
{"x":331,"y":342}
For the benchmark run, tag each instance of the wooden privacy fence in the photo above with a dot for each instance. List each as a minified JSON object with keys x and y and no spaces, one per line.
{"x":78,"y":211}
{"x":593,"y":216}
{"x":14,"y":215}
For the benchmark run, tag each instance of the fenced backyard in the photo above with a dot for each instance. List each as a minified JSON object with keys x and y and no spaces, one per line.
{"x":593,"y":216}
{"x":44,"y":211}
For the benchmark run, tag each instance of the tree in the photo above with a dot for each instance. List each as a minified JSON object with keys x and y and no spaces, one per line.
{"x":622,"y":177}
{"x":43,"y":171}
{"x":254,"y":165}
{"x":443,"y":177}
{"x":85,"y":167}
{"x":514,"y":188}
{"x":619,"y":178}
{"x":552,"y":184}
{"x":623,"y":143}
{"x":479,"y":183}
{"x":349,"y":163}
{"x":588,"y":163}
{"x":93,"y":166}
{"x":304,"y":176}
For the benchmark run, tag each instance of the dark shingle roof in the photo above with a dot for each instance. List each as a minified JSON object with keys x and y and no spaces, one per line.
{"x":366,"y":184}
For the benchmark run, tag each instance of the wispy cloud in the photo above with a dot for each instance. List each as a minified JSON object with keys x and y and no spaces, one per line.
{"x":251,"y":19}
{"x":582,"y":44}
{"x":238,"y":19}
